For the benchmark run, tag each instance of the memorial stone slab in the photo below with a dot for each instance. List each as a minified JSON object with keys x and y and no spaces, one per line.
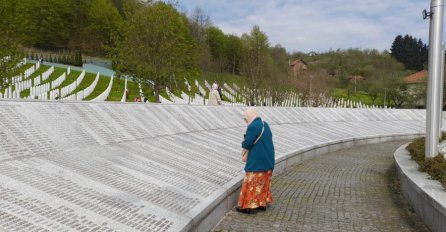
{"x":79,"y":166}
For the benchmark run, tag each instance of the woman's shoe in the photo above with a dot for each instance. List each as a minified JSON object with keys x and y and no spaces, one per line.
{"x":246,"y":210}
{"x":262,"y":208}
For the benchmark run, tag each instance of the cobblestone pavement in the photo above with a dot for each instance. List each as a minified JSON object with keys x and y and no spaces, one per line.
{"x":349,"y":190}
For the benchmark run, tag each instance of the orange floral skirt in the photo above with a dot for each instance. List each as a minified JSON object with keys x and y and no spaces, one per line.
{"x":256,"y":190}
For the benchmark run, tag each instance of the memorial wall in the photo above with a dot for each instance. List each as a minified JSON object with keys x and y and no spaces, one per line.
{"x":82,"y":166}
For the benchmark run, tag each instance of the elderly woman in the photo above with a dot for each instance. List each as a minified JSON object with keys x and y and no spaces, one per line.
{"x":214,"y":96}
{"x":258,"y":153}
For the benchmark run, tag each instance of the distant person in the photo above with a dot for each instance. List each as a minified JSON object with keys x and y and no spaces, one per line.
{"x":145,"y":100}
{"x":214,"y":96}
{"x":219,"y":91}
{"x":126,"y":94}
{"x":258,"y":153}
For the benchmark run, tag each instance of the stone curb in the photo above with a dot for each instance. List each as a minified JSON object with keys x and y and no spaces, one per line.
{"x":425,"y":195}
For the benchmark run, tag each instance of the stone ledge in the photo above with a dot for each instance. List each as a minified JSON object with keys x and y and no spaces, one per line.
{"x":425,"y":195}
{"x":175,"y":166}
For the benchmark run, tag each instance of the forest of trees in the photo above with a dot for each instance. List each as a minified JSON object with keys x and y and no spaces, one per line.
{"x":152,"y":40}
{"x":410,"y":51}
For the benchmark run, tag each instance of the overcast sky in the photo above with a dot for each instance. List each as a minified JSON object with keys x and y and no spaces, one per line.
{"x":319,"y":25}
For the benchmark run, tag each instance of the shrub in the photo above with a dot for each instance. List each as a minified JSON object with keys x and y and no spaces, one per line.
{"x":435,"y":167}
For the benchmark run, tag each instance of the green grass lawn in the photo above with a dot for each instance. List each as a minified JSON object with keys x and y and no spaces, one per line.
{"x":133,"y":91}
{"x":70,"y":78}
{"x":87,"y":81}
{"x":358,"y":96}
{"x":117,"y":90}
{"x":100,"y":87}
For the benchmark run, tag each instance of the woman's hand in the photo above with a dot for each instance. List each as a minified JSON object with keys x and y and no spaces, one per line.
{"x":244,"y":155}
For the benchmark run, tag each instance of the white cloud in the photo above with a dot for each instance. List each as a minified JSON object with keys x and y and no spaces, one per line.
{"x":320,"y":25}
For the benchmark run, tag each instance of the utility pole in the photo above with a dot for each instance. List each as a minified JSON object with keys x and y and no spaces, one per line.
{"x":433,"y":92}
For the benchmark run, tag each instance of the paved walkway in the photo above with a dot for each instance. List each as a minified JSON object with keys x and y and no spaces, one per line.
{"x":348,"y":190}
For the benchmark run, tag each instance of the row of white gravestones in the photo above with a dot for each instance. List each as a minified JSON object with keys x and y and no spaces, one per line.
{"x":79,"y":96}
{"x":228,"y":96}
{"x":9,"y":93}
{"x":197,"y":100}
{"x":39,"y":89}
{"x":229,"y":89}
{"x":236,"y":88}
{"x":185,"y":97}
{"x":36,"y":81}
{"x":56,"y":83}
{"x":71,"y":87}
{"x":175,"y":99}
{"x":47,"y":73}
{"x":164,"y":100}
{"x":206,"y":83}
{"x":22,"y":85}
{"x":28,"y":72}
{"x":104,"y":95}
{"x":124,"y":95}
{"x":141,"y":93}
{"x":187,"y":84}
{"x":27,"y":84}
{"x":16,"y":79}
{"x":31,"y":70}
{"x":55,"y":93}
{"x":43,"y":96}
{"x":200,"y":88}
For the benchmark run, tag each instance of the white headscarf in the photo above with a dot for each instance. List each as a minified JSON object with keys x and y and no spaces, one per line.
{"x":214,"y":86}
{"x":250,"y":114}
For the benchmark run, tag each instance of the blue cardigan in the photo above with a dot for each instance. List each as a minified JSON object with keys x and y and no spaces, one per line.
{"x":261,"y":155}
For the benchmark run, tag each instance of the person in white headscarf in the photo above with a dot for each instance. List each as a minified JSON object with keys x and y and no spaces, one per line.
{"x":214,"y":96}
{"x":259,"y":157}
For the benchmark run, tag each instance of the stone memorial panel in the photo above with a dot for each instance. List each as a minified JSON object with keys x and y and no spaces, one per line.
{"x":146,"y":167}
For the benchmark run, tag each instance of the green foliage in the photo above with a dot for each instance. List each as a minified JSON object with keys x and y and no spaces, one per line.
{"x":50,"y":22}
{"x":416,"y":149}
{"x":103,"y":20}
{"x":435,"y":167}
{"x":10,"y":51}
{"x":155,"y":48}
{"x":412,"y":52}
{"x":255,"y":55}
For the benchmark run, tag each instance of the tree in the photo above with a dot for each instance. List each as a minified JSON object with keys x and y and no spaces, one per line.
{"x":374,"y":89}
{"x":10,"y":56}
{"x":397,"y":90}
{"x":217,"y":44}
{"x":255,"y":57}
{"x":156,"y":45}
{"x":199,"y":24}
{"x":10,"y":51}
{"x":103,"y":19}
{"x":410,"y":51}
{"x":233,"y":54}
{"x":51,"y":22}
